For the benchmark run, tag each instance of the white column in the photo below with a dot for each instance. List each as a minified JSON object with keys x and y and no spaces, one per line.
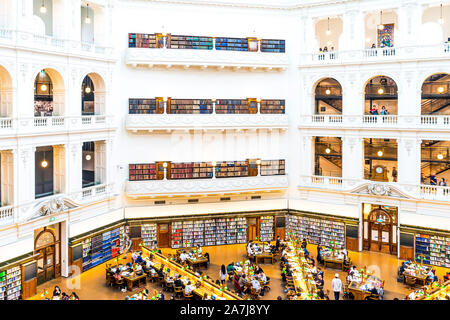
{"x":306,"y":159}
{"x":100,"y":162}
{"x":352,"y":97}
{"x":409,"y":24}
{"x":7,"y":177}
{"x":308,"y":35}
{"x":352,"y":31}
{"x":59,"y":169}
{"x":99,"y":102}
{"x":24,"y":170}
{"x":409,"y":157}
{"x":352,"y":158}
{"x":74,"y":165}
{"x":74,"y":33}
{"x":64,"y":249}
{"x":59,"y":102}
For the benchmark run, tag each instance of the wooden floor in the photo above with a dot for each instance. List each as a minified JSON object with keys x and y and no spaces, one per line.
{"x":90,"y":285}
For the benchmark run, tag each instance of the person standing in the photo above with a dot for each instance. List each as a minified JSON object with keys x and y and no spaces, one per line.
{"x":336,"y":285}
{"x":223,"y":274}
{"x":394,"y":174}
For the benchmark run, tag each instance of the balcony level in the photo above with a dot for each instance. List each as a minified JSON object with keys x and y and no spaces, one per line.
{"x":376,"y":188}
{"x":217,"y":186}
{"x":424,"y":122}
{"x":217,"y":59}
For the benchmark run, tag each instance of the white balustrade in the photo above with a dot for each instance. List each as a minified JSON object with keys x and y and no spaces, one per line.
{"x":6,"y":214}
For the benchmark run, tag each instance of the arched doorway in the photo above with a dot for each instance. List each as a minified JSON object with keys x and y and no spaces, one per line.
{"x":328,"y":97}
{"x":381,"y":96}
{"x":87,"y":97}
{"x":435,"y":98}
{"x":379,"y":228}
{"x":49,"y":94}
{"x":93,"y":95}
{"x":47,"y":246}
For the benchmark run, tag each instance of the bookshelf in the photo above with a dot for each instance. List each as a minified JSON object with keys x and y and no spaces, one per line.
{"x":138,"y":172}
{"x":177,"y":234}
{"x":191,"y":170}
{"x":232,"y":106}
{"x":191,"y":106}
{"x":241,"y":230}
{"x":228,"y":169}
{"x":145,"y":106}
{"x":191,"y":42}
{"x":272,"y":107}
{"x":221,"y":231}
{"x":234,"y":44}
{"x":149,"y":234}
{"x":272,"y":167}
{"x":141,"y":40}
{"x":434,"y":248}
{"x":266,"y":228}
{"x":199,"y":233}
{"x":11,"y":283}
{"x":188,"y":233}
{"x":210,"y":232}
{"x":318,"y":231}
{"x":272,"y":45}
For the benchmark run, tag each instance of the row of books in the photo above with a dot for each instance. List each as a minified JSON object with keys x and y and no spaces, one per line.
{"x":149,"y":234}
{"x":273,"y":167}
{"x":317,"y":231}
{"x":433,"y":249}
{"x":11,"y":283}
{"x":205,"y":106}
{"x":209,"y":232}
{"x":266,"y":228}
{"x":140,"y":40}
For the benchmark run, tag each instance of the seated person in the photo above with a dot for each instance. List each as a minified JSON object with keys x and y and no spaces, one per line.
{"x":319,"y":282}
{"x":447,"y":276}
{"x":183,"y":257}
{"x":149,"y":263}
{"x":188,"y":288}
{"x":178,"y":283}
{"x":243,"y":281}
{"x":256,"y":285}
{"x":250,"y":251}
{"x":138,"y":269}
{"x":230,"y":267}
{"x":262,"y":277}
{"x":199,"y":250}
{"x":373,"y":290}
{"x":139,"y":259}
{"x":431,"y":276}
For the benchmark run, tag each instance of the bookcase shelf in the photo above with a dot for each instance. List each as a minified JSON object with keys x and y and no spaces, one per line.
{"x":191,"y":42}
{"x":138,"y":172}
{"x":434,"y":248}
{"x":272,"y":107}
{"x":141,"y":40}
{"x":142,"y":106}
{"x":272,"y":167}
{"x":234,"y":44}
{"x":199,"y":233}
{"x":149,"y":234}
{"x":191,"y":170}
{"x":11,"y":283}
{"x":266,"y":228}
{"x":228,"y":169}
{"x":191,"y":106}
{"x":317,"y":231}
{"x":177,"y":234}
{"x":235,"y":106}
{"x":272,"y":45}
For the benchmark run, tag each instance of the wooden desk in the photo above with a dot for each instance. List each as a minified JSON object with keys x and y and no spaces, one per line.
{"x":357,"y":292}
{"x":421,"y":279}
{"x":262,"y":256}
{"x":197,"y":262}
{"x":135,"y":280}
{"x":333,"y":261}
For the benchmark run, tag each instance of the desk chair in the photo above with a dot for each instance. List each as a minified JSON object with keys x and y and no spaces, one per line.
{"x":178,"y":291}
{"x":119,"y":283}
{"x":254,"y":293}
{"x":169,"y":286}
{"x":110,"y":280}
{"x":153,"y":277}
{"x":267,"y":286}
{"x":410,"y":281}
{"x":187,"y":296}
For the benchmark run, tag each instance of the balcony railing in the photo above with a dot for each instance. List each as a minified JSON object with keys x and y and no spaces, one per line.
{"x":149,"y":122}
{"x":377,"y":121}
{"x":206,"y":58}
{"x":11,"y":214}
{"x":28,"y":125}
{"x":56,"y":45}
{"x":377,"y":54}
{"x":440,"y":193}
{"x":136,"y":189}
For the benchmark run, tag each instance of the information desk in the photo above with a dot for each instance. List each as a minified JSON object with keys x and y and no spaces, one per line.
{"x":433,"y":292}
{"x":201,"y":285}
{"x":304,"y":284}
{"x":360,"y":288}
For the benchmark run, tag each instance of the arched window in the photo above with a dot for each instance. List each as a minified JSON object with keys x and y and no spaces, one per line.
{"x":328,"y":97}
{"x":435,"y":98}
{"x":381,"y":96}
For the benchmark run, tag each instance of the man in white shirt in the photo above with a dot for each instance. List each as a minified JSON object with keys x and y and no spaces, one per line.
{"x":263,"y":277}
{"x":336,"y":285}
{"x":149,"y":263}
{"x":250,"y":251}
{"x":183,"y":257}
{"x":188,"y":288}
{"x":133,"y":256}
{"x":256,"y":285}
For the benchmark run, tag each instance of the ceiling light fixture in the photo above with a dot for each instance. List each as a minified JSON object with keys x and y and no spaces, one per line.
{"x":87,"y":20}
{"x":380,"y":91}
{"x":87,"y":90}
{"x":381,"y":26}
{"x":44,"y":87}
{"x":440,"y":89}
{"x":440,"y":156}
{"x":328,"y":29}
{"x":44,"y":162}
{"x":43,"y":9}
{"x":328,"y":150}
{"x":380,"y":153}
{"x":441,"y":19}
{"x":328,"y":91}
{"x":88,"y":157}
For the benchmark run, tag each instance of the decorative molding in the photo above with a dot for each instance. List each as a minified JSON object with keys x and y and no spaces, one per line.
{"x":205,"y":186}
{"x":380,"y":190}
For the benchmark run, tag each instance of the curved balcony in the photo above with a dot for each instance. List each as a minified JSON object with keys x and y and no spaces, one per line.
{"x":206,"y":59}
{"x":162,"y":188}
{"x":169,"y":122}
